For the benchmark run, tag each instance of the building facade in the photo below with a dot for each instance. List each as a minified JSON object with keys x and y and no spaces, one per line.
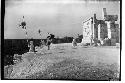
{"x":94,"y":29}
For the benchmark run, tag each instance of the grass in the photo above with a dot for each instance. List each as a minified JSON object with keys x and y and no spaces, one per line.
{"x":75,"y":70}
{"x":67,"y":63}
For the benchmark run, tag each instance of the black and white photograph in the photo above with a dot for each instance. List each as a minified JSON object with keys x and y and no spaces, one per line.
{"x":72,"y":40}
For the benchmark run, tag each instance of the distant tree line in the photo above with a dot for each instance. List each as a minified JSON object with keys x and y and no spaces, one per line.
{"x":67,"y":39}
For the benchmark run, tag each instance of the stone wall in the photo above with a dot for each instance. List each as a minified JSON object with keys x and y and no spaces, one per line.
{"x":87,"y":31}
{"x":113,"y":30}
{"x":102,"y":31}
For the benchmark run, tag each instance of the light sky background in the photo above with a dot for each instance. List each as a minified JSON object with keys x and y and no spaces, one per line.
{"x":62,"y":18}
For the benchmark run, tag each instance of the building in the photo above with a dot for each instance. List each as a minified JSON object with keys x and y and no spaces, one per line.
{"x":94,"y":29}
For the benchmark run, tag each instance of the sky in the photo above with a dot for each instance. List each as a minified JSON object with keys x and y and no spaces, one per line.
{"x":59,"y":17}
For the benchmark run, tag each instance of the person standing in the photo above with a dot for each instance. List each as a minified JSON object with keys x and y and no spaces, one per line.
{"x":74,"y":43}
{"x":42,"y":43}
{"x":31,"y":46}
{"x":48,"y":42}
{"x":50,"y":38}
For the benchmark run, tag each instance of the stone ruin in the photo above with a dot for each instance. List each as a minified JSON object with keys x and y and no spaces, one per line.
{"x":105,"y":32}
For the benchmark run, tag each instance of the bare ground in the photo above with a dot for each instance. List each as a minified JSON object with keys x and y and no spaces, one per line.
{"x":64,"y":62}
